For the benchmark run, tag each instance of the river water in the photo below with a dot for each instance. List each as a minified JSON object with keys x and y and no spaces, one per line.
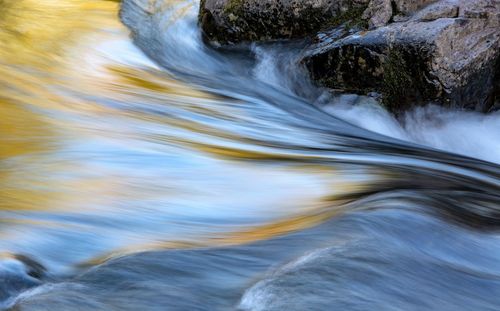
{"x":141,"y":169}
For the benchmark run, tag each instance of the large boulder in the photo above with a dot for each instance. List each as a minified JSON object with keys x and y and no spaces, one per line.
{"x":446,"y":53}
{"x":233,"y":21}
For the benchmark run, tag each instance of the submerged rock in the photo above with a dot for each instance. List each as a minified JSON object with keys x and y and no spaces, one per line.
{"x":233,"y":21}
{"x":18,"y":273}
{"x":446,"y":53}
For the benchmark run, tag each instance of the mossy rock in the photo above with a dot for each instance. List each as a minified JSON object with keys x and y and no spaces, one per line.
{"x":416,"y":63}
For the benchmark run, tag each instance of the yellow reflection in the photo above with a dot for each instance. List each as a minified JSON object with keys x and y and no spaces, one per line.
{"x":21,"y":131}
{"x":34,"y":31}
{"x":44,"y":46}
{"x":37,"y":42}
{"x":127,"y":80}
{"x":23,"y":135}
{"x":321,"y":213}
{"x":38,"y":39}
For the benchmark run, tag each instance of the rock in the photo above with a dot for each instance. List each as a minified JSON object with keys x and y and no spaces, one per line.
{"x":447,"y":53}
{"x":407,"y":7}
{"x":415,"y":52}
{"x":378,"y":13}
{"x":233,"y":21}
{"x":18,"y":273}
{"x":437,"y":10}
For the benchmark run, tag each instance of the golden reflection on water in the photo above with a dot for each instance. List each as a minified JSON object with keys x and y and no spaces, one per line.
{"x":52,"y":65}
{"x":38,"y":32}
{"x":314,"y":214}
{"x":23,"y":135}
{"x":36,"y":38}
{"x":23,"y":132}
{"x":244,"y":236}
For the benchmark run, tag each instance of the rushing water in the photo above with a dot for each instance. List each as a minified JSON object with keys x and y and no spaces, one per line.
{"x":141,"y":169}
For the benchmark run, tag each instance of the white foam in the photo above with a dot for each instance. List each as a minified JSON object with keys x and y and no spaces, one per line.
{"x":469,"y":133}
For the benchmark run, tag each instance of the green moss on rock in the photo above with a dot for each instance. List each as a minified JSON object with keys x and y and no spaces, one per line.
{"x":397,"y":80}
{"x":352,"y":17}
{"x":234,"y":7}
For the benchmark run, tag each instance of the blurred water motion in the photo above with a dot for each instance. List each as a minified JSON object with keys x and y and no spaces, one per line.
{"x":144,"y":169}
{"x":100,"y":154}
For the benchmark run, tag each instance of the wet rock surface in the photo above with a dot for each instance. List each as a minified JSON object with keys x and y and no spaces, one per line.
{"x":447,"y":53}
